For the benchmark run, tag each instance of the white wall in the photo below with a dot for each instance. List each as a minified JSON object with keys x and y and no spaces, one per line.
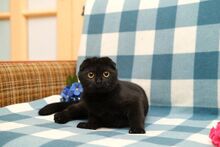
{"x":42,"y":32}
{"x":41,"y":4}
{"x":42,"y":38}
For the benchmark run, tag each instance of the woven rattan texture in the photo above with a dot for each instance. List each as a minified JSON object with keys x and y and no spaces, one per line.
{"x":28,"y":81}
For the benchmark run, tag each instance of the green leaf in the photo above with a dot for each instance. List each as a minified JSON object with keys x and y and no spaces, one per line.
{"x":75,"y":78}
{"x":71,"y":79}
{"x":68,"y":81}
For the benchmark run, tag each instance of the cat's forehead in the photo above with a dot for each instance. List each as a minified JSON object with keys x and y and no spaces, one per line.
{"x":97,"y":64}
{"x":98,"y":67}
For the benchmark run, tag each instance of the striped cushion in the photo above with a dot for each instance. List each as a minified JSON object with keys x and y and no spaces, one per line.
{"x":170,"y":48}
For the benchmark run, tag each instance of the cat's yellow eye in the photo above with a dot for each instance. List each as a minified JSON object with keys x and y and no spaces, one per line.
{"x":106,"y":74}
{"x":91,"y":75}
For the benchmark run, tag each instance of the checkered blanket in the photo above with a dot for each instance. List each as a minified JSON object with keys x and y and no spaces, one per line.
{"x":21,"y":126}
{"x":169,"y":47}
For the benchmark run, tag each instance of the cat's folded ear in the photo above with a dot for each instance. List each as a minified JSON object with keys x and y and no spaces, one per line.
{"x":85,"y":63}
{"x":82,"y":66}
{"x":96,"y":60}
{"x":109,"y":61}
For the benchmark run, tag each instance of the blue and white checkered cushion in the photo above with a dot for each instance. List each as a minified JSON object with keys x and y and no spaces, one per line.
{"x":169,"y":47}
{"x":21,"y":126}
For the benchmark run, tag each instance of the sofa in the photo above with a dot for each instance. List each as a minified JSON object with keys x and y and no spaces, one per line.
{"x":169,"y":47}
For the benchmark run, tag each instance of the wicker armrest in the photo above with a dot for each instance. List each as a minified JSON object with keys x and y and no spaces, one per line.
{"x":27,"y":81}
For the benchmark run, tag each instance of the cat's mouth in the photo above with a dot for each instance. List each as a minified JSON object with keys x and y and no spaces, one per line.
{"x":94,"y":88}
{"x":103,"y":86}
{"x":100,"y":86}
{"x":101,"y":89}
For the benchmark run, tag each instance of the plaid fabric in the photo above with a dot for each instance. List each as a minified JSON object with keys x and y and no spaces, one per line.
{"x":170,"y":48}
{"x":20,"y":125}
{"x":27,"y":81}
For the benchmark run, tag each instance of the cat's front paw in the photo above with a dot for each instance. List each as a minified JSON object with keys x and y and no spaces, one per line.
{"x":137,"y":131}
{"x":45,"y":111}
{"x":61,"y":118}
{"x":86,"y":125}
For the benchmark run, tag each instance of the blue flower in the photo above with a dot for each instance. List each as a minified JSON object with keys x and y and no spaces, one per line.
{"x":75,"y":90}
{"x":72,"y":93}
{"x":65,"y":91}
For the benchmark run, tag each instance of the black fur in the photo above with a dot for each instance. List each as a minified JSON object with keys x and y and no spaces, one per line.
{"x":106,"y":102}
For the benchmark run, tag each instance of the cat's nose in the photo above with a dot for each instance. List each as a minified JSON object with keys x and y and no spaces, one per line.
{"x":98,"y":81}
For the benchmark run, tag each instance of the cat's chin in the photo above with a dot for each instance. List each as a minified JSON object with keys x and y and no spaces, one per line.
{"x":98,"y":91}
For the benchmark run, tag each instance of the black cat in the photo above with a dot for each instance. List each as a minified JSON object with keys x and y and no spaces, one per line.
{"x":105,"y":101}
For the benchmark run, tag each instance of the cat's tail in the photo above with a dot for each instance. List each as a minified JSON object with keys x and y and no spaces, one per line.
{"x":53,"y":108}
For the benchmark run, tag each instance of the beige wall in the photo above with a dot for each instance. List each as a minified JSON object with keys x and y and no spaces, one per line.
{"x":77,"y":25}
{"x":67,"y":23}
{"x":70,"y":26}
